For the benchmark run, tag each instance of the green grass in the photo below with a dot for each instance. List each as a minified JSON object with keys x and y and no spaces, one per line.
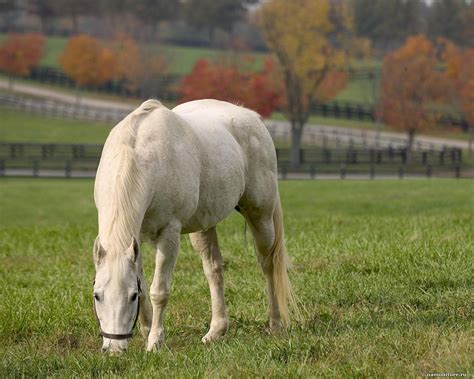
{"x":25,"y":127}
{"x":383,"y":270}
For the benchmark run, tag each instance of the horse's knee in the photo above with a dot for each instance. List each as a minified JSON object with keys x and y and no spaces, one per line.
{"x":160,"y":298}
{"x":213,"y":270}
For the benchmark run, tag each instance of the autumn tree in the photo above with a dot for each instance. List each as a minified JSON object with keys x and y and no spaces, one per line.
{"x":130,"y":66}
{"x":459,"y":73}
{"x":20,"y":53}
{"x":260,"y":91}
{"x":139,"y":69}
{"x":87,"y":61}
{"x":411,"y":82}
{"x":309,"y":40}
{"x":153,"y":69}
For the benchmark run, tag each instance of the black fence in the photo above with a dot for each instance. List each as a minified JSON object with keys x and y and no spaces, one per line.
{"x":161,"y":87}
{"x":66,"y":160}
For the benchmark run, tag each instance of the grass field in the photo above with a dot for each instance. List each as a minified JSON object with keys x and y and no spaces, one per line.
{"x":23,"y":127}
{"x":382,"y":269}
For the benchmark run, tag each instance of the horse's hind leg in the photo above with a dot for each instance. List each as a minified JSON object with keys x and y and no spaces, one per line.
{"x":266,"y":225}
{"x":206,"y":244}
{"x":261,"y":226}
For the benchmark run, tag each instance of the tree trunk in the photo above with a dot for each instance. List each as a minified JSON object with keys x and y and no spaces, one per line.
{"x":75,"y":24}
{"x":211,"y":32}
{"x":78,"y":95}
{"x":411,"y":140}
{"x":296,"y":137}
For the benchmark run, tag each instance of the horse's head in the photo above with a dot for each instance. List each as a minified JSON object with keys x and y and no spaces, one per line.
{"x":116,"y":295}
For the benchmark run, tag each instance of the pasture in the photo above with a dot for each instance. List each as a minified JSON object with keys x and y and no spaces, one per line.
{"x":383,"y":271}
{"x":181,"y":60}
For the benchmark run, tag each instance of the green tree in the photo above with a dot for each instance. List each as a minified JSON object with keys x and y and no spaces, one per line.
{"x":387,"y":23}
{"x":452,"y":19}
{"x":75,"y":9}
{"x":46,"y":11}
{"x":212,"y":15}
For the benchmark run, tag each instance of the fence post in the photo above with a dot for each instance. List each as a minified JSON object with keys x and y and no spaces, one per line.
{"x":424,"y":157}
{"x":428,"y":171}
{"x":457,"y":171}
{"x":401,"y":172}
{"x":343,"y":171}
{"x":67,"y":169}
{"x":2,"y":167}
{"x":35,"y":168}
{"x":283,"y":171}
{"x":312,"y":172}
{"x":372,"y":171}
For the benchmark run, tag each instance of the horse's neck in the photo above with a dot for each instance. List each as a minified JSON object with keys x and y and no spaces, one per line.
{"x":122,"y":217}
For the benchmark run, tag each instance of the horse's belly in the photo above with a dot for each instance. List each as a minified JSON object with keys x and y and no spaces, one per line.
{"x":220,"y":191}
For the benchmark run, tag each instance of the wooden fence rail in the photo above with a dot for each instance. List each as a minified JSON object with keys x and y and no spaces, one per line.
{"x":34,"y":159}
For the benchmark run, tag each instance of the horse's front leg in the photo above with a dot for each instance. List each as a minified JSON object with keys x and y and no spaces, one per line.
{"x":206,"y":244}
{"x":146,"y":313}
{"x":166,"y":254}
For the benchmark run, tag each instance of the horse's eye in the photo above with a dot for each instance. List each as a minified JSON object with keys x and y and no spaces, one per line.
{"x":134,"y":296}
{"x":96,"y":297}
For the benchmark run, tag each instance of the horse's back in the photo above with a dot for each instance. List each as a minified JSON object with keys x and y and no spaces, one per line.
{"x":250,"y":137}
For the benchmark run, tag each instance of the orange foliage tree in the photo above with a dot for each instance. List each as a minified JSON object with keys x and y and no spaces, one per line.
{"x":260,"y":91}
{"x":87,"y":61}
{"x":138,"y":69}
{"x":411,"y":82}
{"x":20,"y":53}
{"x":130,"y":66}
{"x":459,"y":72}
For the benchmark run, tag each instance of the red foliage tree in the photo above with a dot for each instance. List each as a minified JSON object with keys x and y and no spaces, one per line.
{"x":20,"y":53}
{"x":459,"y":73}
{"x":260,"y":91}
{"x":411,"y":82}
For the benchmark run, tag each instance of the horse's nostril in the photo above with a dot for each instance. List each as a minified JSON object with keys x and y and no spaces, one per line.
{"x":104,"y":349}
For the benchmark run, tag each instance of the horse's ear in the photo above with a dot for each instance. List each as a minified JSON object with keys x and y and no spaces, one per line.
{"x":99,"y":252}
{"x":133,"y":250}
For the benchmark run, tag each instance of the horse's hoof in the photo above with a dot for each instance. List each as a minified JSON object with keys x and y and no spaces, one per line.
{"x":213,"y":335}
{"x":275,"y":326}
{"x":208,"y":338}
{"x":155,"y":342}
{"x":153,"y":348}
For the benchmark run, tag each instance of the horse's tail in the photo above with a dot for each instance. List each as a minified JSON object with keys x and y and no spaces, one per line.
{"x":281,"y":264}
{"x":129,"y":131}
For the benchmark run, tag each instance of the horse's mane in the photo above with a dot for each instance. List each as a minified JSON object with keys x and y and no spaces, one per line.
{"x":128,"y":191}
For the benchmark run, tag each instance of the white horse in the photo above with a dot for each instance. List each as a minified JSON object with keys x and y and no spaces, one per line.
{"x":167,"y":172}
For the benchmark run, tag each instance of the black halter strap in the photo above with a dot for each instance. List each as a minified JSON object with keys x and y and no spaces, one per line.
{"x":120,"y":336}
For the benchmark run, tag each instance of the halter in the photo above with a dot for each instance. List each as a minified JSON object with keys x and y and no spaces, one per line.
{"x":120,"y":336}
